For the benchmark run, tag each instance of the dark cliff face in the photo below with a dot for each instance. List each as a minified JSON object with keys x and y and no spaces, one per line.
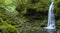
{"x":36,"y":15}
{"x":38,"y":10}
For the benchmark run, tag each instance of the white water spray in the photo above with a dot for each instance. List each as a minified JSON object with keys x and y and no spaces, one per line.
{"x":51,"y":17}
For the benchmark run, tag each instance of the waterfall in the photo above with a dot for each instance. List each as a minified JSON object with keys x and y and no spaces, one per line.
{"x":51,"y":17}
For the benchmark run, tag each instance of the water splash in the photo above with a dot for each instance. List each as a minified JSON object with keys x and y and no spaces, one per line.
{"x":51,"y":17}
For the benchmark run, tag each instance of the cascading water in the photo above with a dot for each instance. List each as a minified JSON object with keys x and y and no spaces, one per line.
{"x":51,"y":28}
{"x":51,"y":17}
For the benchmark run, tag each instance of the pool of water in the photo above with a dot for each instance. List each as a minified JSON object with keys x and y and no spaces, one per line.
{"x":43,"y":31}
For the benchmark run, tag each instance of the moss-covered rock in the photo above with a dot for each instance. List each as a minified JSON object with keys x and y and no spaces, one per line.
{"x":7,"y":28}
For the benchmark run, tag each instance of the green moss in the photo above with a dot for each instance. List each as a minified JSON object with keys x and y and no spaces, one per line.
{"x":7,"y":28}
{"x":30,"y":13}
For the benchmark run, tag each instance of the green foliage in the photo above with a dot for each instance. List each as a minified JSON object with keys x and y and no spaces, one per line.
{"x":17,"y":15}
{"x":7,"y":2}
{"x":7,"y":28}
